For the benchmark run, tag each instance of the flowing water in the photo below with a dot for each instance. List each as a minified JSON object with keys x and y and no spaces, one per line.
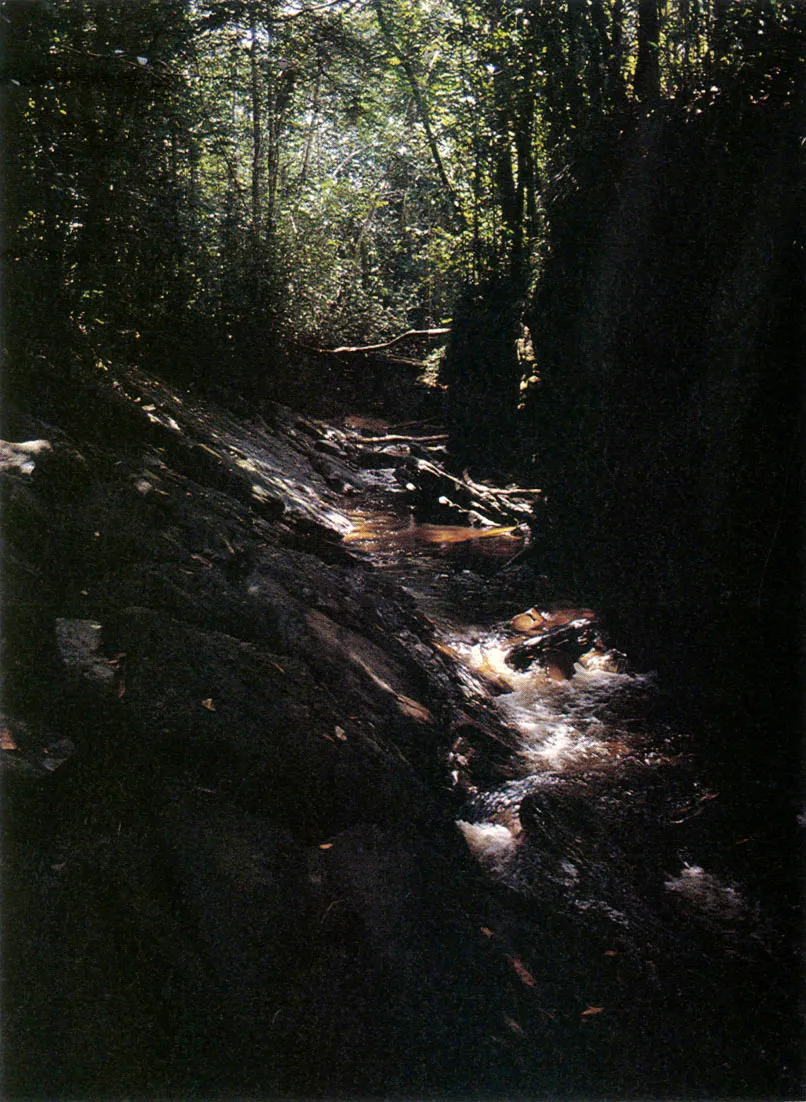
{"x":619,"y":852}
{"x":585,"y":727}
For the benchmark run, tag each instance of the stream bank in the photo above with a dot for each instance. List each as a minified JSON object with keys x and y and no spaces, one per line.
{"x":251,"y":689}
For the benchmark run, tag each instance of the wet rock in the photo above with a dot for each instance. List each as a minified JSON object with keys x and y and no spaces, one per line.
{"x":385,"y":899}
{"x":40,"y":483}
{"x":374,"y":459}
{"x":558,"y":665}
{"x":29,"y":750}
{"x":331,"y":447}
{"x":479,"y":755}
{"x":80,"y":646}
{"x":22,"y":458}
{"x":559,"y":822}
{"x":556,"y":646}
{"x":246,"y":881}
{"x":244,"y":887}
{"x":337,"y":474}
{"x":262,"y":723}
{"x":604,"y":660}
{"x":530,"y":622}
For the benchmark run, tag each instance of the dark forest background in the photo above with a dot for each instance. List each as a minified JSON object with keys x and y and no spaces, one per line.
{"x":601,"y":199}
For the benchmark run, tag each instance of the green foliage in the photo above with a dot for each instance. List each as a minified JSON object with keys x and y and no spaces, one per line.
{"x":205,"y":181}
{"x":97,"y":202}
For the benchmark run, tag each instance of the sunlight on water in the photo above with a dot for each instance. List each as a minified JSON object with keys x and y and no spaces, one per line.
{"x":492,"y":845}
{"x":562,"y":723}
{"x":570,"y":720}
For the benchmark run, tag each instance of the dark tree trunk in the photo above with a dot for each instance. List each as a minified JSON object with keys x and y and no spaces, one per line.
{"x":257,"y":145}
{"x":647,"y":68}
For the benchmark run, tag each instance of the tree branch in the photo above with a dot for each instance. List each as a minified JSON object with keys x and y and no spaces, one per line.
{"x":429,"y":333}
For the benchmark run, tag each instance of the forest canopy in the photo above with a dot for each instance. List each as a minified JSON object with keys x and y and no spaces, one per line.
{"x":207,"y":183}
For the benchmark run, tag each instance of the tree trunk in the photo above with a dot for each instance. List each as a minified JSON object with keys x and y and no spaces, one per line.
{"x":647,"y":68}
{"x":422,"y":111}
{"x":306,"y":156}
{"x":257,"y":151}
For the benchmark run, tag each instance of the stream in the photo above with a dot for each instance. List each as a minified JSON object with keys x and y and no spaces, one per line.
{"x":599,"y":822}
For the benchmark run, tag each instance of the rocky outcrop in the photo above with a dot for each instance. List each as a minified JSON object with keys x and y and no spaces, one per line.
{"x":226,"y":748}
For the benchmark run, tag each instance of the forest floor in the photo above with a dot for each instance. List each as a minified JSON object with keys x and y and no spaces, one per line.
{"x":242,"y":721}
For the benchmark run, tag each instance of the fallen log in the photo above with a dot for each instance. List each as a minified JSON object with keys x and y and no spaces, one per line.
{"x":479,"y":488}
{"x":347,"y":349}
{"x":439,"y":496}
{"x":423,"y":467}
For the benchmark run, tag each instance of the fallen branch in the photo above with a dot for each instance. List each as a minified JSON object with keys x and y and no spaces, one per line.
{"x":395,"y":438}
{"x":467,"y":483}
{"x":518,"y":492}
{"x":479,"y":488}
{"x":346,"y":348}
